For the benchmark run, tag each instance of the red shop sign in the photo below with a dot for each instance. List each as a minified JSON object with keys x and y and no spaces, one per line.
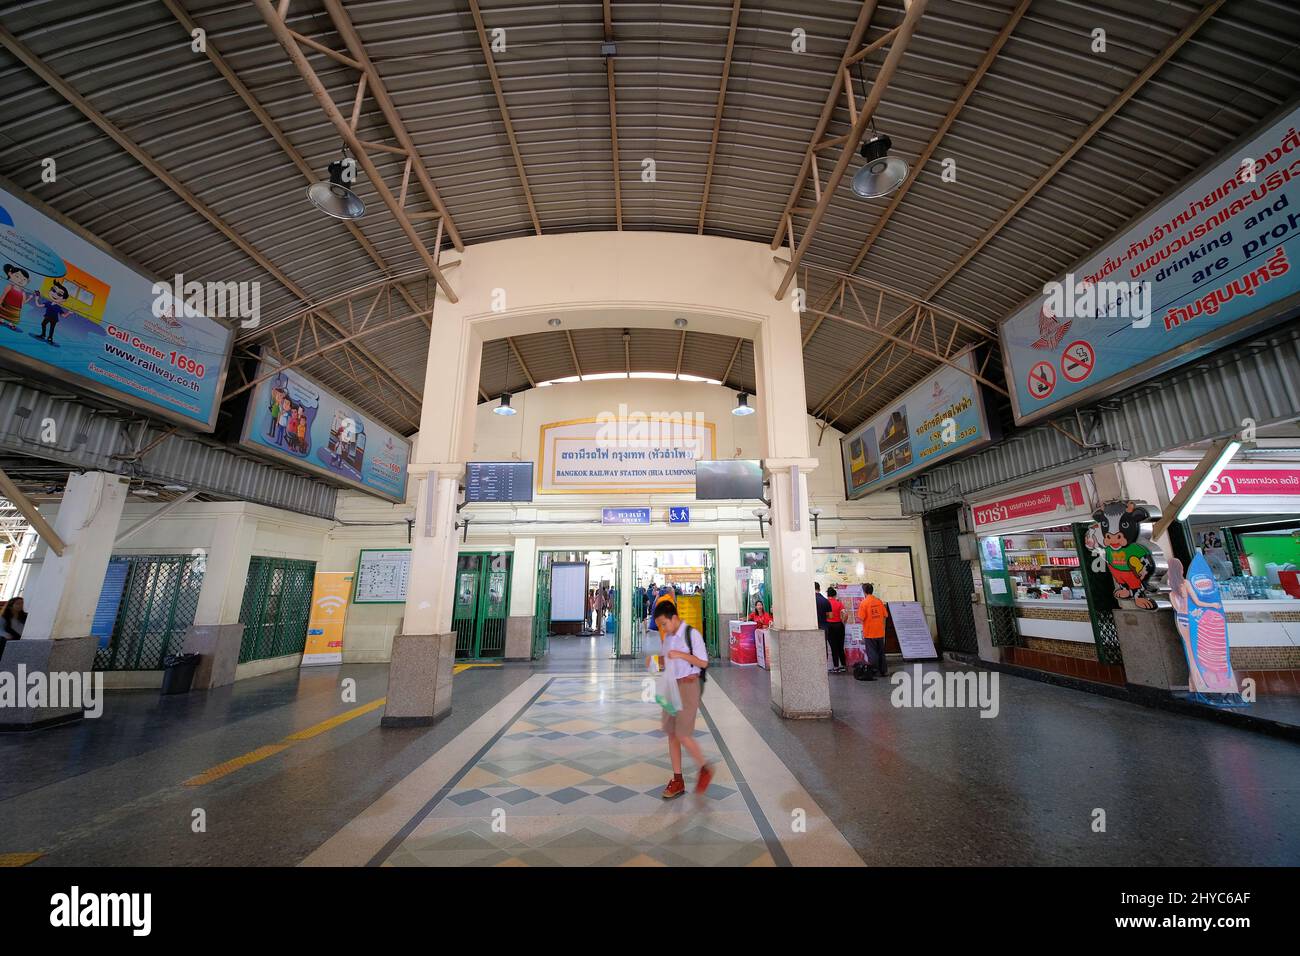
{"x":1277,"y":481}
{"x":1031,"y":504}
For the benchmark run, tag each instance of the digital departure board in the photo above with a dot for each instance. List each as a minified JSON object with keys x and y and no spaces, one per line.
{"x":498,"y":481}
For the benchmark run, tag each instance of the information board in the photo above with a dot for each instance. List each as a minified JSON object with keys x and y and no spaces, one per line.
{"x":499,"y":481}
{"x":382,"y":576}
{"x":913,"y":633}
{"x":569,"y":591}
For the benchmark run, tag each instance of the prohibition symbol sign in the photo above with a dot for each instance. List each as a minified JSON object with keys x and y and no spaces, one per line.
{"x":1042,"y":379}
{"x":1077,"y":361}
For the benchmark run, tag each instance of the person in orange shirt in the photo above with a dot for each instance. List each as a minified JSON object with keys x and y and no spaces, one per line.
{"x":872,"y":614}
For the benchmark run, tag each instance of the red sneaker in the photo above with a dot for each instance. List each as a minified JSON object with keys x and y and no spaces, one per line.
{"x":705,"y":778}
{"x":676,"y":787}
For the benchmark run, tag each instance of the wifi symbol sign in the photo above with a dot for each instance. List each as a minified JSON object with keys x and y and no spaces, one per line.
{"x":330,"y":603}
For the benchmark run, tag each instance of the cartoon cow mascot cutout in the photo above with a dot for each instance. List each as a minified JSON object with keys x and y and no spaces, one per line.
{"x":1131,"y":563}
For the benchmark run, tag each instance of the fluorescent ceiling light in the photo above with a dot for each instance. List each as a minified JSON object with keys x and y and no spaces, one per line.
{"x":1210,"y":478}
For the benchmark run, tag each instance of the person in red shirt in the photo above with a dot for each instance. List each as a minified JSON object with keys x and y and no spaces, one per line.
{"x":760,"y":615}
{"x":835,"y":631}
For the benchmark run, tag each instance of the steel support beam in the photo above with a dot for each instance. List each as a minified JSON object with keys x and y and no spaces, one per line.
{"x":29,"y":511}
{"x":158,"y":515}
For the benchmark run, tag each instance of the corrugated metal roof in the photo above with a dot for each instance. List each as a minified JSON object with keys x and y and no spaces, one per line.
{"x":132,"y":62}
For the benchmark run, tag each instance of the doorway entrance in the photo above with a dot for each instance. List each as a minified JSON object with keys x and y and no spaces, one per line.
{"x":482,"y":603}
{"x":577,"y":603}
{"x":692,"y":573}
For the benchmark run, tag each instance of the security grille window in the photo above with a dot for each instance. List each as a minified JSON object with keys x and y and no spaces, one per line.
{"x":277,"y":604}
{"x":150,"y":600}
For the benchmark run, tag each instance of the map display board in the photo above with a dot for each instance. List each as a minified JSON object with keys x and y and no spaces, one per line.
{"x":382,"y":576}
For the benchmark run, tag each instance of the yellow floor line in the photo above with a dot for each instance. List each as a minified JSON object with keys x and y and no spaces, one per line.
{"x":457,"y":668}
{"x":270,"y":750}
{"x":19,"y":859}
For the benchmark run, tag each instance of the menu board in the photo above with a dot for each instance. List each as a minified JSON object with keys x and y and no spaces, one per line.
{"x":382,"y":576}
{"x":499,"y":481}
{"x":913,"y":633}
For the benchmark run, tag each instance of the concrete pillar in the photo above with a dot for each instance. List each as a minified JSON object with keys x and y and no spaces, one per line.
{"x":800,"y":687}
{"x":419,"y":677}
{"x":61,"y":600}
{"x":217,"y":634}
{"x":523,"y":600}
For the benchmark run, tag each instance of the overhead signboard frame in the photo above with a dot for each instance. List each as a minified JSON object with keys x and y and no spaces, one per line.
{"x":337,"y":441}
{"x":1243,"y":279}
{"x":913,"y":429}
{"x":107,"y":341}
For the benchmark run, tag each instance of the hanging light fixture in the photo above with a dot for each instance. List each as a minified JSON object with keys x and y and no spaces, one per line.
{"x":503,"y":407}
{"x":742,"y":405}
{"x":881,"y":173}
{"x":335,"y":198}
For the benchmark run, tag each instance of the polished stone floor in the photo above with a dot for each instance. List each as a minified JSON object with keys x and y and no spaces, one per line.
{"x":560,"y":764}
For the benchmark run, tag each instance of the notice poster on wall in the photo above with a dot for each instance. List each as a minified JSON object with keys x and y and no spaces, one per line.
{"x":913,"y":632}
{"x":70,"y":311}
{"x":940,"y":417}
{"x":294,"y":419}
{"x":624,"y":454}
{"x":1211,"y":264}
{"x":329,"y":612}
{"x":382,"y":576}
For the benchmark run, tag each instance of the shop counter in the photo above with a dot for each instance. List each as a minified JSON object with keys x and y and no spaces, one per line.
{"x":1055,"y":619}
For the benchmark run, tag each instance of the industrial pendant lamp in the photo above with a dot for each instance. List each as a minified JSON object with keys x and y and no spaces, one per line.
{"x":335,"y":198}
{"x":503,"y":407}
{"x":881,"y":173}
{"x":742,"y":405}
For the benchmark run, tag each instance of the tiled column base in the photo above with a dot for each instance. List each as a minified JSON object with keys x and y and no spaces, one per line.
{"x":218,"y":645}
{"x":724,"y":635}
{"x":1153,"y":651}
{"x":419,"y":679}
{"x":519,"y":638}
{"x":69,"y":655}
{"x":800,"y":688}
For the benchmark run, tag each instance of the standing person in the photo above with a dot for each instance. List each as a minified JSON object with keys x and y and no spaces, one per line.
{"x":12,"y":619}
{"x":872,"y":613}
{"x":823,"y":608}
{"x":602,"y":608}
{"x":760,"y":616}
{"x":687,"y":660}
{"x":835,"y":631}
{"x":589,"y":615}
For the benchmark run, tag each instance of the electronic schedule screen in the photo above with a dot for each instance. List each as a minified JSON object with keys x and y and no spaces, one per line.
{"x":499,"y":481}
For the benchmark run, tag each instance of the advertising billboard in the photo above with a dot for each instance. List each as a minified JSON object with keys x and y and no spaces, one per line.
{"x":940,"y":417}
{"x":71,"y":311}
{"x":292,"y":418}
{"x":1213,"y":263}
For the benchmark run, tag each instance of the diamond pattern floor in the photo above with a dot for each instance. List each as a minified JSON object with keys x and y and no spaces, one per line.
{"x":575,"y":781}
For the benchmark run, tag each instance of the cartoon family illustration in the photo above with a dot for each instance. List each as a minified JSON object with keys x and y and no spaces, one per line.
{"x":289,"y":426}
{"x":16,"y":295}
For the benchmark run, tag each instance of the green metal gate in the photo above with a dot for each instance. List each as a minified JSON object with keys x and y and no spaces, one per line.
{"x":482,"y":603}
{"x":951,"y":582}
{"x":542,"y":608}
{"x":277,"y":605}
{"x":159,"y":596}
{"x":711,"y":609}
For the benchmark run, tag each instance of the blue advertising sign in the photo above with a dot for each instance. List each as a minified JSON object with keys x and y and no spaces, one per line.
{"x":940,"y":417}
{"x":625,"y":516}
{"x":294,"y":419}
{"x":679,"y":515}
{"x":69,"y":310}
{"x":1210,"y":265}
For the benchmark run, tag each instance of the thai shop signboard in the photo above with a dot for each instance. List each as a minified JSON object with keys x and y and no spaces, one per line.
{"x":1269,"y":489}
{"x":1215,"y":262}
{"x":295,"y":420}
{"x":941,"y":417}
{"x":70,"y":311}
{"x":1034,"y":508}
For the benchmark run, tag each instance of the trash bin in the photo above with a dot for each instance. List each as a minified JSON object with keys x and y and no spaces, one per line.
{"x":178,"y":673}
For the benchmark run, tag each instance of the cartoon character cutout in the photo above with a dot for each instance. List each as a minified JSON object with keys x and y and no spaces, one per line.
{"x":1130,"y":562}
{"x":15,"y":295}
{"x":52,"y":309}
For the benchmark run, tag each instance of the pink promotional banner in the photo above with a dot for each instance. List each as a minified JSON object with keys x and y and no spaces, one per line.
{"x":1041,"y":502}
{"x":1283,"y":480}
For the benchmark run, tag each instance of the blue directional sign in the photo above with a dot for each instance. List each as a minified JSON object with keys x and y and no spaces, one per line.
{"x":679,"y":515}
{"x":625,"y":516}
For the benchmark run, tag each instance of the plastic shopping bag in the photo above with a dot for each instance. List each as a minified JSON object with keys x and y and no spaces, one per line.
{"x":667,"y":695}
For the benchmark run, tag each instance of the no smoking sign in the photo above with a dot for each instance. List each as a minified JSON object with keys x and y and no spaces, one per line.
{"x":1042,"y":379}
{"x":1077,"y":361}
